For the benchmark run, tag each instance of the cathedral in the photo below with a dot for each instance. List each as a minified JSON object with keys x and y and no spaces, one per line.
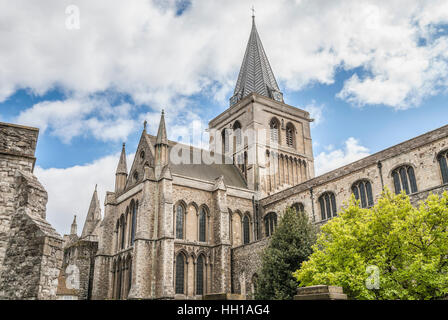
{"x":179,"y":226}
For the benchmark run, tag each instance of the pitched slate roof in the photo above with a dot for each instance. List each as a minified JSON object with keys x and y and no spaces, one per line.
{"x":203,"y":171}
{"x":256,"y":73}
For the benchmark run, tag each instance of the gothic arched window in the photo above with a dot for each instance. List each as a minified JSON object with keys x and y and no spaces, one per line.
{"x":327,"y":203}
{"x":225,"y":141}
{"x":298,"y":206}
{"x":270,"y":223}
{"x":202,"y":224}
{"x":123,"y":230}
{"x":180,"y":274}
{"x":362,"y":190}
{"x":404,"y":179}
{"x":237,"y":132}
{"x":246,"y":229}
{"x":200,"y":275}
{"x":290,"y":131}
{"x":442,"y":158}
{"x":134,"y":220}
{"x":274,"y":127}
{"x":180,"y":214}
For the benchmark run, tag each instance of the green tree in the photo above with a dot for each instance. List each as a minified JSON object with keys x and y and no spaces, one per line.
{"x":290,"y":244}
{"x":407,"y":246}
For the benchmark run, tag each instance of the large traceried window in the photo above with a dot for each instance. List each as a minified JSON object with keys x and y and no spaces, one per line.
{"x":327,"y":202}
{"x":180,"y":274}
{"x":246,"y":229}
{"x":202,"y":224}
{"x":362,"y":190}
{"x":180,"y":216}
{"x":442,"y":158}
{"x":290,"y":131}
{"x":200,"y":275}
{"x":274,"y":126}
{"x":270,"y":223}
{"x":404,"y":179}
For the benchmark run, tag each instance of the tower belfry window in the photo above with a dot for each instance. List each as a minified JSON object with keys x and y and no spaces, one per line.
{"x":290,"y":135}
{"x":274,"y":128}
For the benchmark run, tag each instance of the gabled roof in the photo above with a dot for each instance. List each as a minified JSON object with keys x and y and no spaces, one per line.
{"x":256,"y":74}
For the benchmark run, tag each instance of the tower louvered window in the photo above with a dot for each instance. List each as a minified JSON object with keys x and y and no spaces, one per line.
{"x":327,"y":202}
{"x":442,"y":158}
{"x":180,"y":273}
{"x":246,"y":230}
{"x":274,"y":127}
{"x":179,"y":222}
{"x":363,"y":192}
{"x":290,"y":135}
{"x":200,"y":276}
{"x":202,"y":224}
{"x":404,"y":179}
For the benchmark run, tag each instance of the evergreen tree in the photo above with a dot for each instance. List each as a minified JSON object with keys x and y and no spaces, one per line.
{"x":289,"y":246}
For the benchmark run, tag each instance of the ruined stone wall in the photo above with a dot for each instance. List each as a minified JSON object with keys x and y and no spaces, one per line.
{"x":82,"y":254}
{"x":246,"y":262}
{"x":30,"y":249}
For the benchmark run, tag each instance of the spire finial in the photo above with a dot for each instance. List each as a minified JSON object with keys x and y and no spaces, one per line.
{"x":253,"y":12}
{"x":144,"y":125}
{"x":96,"y":185}
{"x":163,"y":111}
{"x":124,"y":145}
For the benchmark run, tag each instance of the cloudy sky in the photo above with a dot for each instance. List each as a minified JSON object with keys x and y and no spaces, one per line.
{"x":372,"y":74}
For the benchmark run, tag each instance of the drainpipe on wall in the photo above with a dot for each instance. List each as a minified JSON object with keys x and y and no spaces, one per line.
{"x":312,"y":204}
{"x":380,"y":166}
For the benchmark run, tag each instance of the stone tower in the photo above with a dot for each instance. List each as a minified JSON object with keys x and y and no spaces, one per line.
{"x":268,"y":140}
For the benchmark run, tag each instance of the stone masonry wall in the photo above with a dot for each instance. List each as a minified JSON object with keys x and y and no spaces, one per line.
{"x":246,"y":262}
{"x":30,"y":249}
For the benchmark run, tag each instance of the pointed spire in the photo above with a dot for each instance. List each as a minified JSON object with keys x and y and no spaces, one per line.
{"x":161,"y":134}
{"x":74,"y":227}
{"x":256,"y":74}
{"x":93,"y":215}
{"x":122,"y":166}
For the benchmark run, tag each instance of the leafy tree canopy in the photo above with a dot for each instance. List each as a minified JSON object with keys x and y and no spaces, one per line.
{"x":407,"y":247}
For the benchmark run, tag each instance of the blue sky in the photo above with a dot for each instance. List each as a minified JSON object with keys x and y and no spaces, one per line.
{"x":373,"y":74}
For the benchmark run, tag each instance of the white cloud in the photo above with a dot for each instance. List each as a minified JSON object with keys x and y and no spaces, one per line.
{"x":70,"y":189}
{"x":335,"y":158}
{"x":145,"y":50}
{"x":80,"y":117}
{"x":316,"y":112}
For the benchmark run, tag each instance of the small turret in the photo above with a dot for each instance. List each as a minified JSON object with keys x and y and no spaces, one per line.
{"x":93,"y":216}
{"x":122,"y":172}
{"x":161,"y":147}
{"x":74,"y":227}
